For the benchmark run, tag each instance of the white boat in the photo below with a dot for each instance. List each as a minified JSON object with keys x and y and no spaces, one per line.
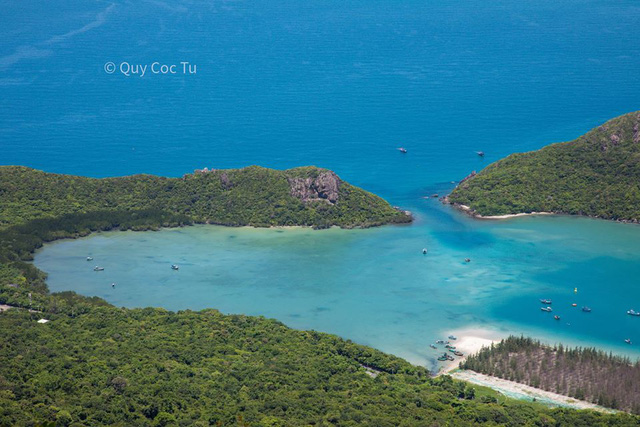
{"x":89,"y":258}
{"x":547,"y":309}
{"x":174,"y":267}
{"x":96,"y":268}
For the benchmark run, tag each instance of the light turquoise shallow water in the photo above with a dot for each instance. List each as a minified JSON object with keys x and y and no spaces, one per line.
{"x":338,"y":84}
{"x":374,"y":286}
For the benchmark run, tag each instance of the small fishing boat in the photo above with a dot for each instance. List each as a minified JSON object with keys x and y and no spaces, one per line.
{"x":586,"y":309}
{"x":467,"y":260}
{"x":546,"y":301}
{"x":480,"y":153}
{"x":424,"y":251}
{"x":174,"y":267}
{"x":633,"y":313}
{"x":432,"y":346}
{"x":458,"y":353}
{"x":113,"y":285}
{"x":96,"y":268}
{"x":547,"y":309}
{"x":402,"y":150}
{"x":452,"y":337}
{"x":556,"y":317}
{"x":442,"y":358}
{"x":628,"y":341}
{"x":439,"y":341}
{"x":449,"y":346}
{"x":89,"y":258}
{"x":574,"y":305}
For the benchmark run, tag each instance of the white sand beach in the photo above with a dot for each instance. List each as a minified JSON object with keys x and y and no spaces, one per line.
{"x":476,"y":215}
{"x":470,"y":341}
{"x":524,"y":392}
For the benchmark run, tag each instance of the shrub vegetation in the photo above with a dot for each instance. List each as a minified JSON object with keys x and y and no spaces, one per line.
{"x":95,"y":364}
{"x":597,"y":175}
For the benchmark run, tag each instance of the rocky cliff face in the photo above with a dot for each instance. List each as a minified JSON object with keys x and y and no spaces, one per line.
{"x":325,"y":187}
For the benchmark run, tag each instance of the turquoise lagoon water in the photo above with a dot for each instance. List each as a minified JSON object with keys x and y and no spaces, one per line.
{"x":341,"y":85}
{"x":375,"y":286}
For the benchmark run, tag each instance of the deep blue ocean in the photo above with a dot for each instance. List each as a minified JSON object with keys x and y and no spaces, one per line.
{"x":340,"y":85}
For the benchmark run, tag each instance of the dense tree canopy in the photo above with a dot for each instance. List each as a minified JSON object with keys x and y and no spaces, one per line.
{"x":95,"y":364}
{"x":251,"y":196}
{"x":597,"y":174}
{"x":102,"y":365}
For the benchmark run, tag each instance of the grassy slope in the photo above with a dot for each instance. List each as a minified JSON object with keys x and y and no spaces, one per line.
{"x":597,"y":174}
{"x":250,"y":196}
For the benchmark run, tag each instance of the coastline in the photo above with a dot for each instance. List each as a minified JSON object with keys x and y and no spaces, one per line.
{"x":519,"y":391}
{"x":474,"y":214}
{"x":470,"y":341}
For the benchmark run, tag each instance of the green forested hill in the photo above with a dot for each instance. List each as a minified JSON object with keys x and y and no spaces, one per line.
{"x":250,"y":196}
{"x":597,"y":174}
{"x":94,"y":364}
{"x":144,"y":367}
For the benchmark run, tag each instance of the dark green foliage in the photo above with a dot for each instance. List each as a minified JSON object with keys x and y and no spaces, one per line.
{"x":153,"y":367}
{"x":251,"y":196}
{"x":38,"y":207}
{"x":95,"y":364}
{"x":582,"y":373}
{"x":597,"y":174}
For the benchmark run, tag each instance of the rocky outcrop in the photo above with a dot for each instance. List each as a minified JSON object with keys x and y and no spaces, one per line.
{"x":325,"y":187}
{"x":225,"y":181}
{"x":471,"y":175}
